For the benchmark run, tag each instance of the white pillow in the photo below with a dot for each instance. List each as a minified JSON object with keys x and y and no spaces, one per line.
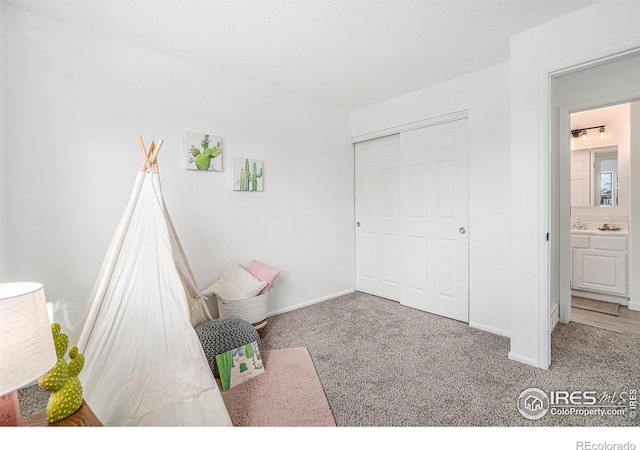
{"x":241,"y":280}
{"x":224,"y":290}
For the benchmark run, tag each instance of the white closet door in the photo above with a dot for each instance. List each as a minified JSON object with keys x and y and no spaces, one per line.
{"x":412,"y":240}
{"x":437,"y":191}
{"x":379,"y":219}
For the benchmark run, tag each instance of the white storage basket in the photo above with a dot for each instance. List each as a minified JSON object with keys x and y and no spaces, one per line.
{"x":252,"y":309}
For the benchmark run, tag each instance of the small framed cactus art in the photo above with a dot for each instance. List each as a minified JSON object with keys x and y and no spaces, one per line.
{"x":246,"y":174}
{"x":203,"y":151}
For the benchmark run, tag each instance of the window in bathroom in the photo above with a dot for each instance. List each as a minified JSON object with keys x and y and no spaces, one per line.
{"x":606,"y":180}
{"x":606,"y":188}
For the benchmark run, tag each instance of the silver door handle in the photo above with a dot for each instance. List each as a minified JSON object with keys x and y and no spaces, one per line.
{"x":357,"y":224}
{"x":462,"y":230}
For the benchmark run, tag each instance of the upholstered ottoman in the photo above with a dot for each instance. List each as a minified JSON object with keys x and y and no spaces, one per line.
{"x":221,"y":335}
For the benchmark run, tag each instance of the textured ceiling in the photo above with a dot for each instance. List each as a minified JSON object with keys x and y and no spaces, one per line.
{"x":345,"y":53}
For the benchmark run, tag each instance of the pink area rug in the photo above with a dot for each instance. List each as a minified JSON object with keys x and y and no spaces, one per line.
{"x":287,"y":394}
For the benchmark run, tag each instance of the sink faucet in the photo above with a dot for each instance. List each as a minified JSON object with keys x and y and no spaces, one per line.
{"x":578,"y":225}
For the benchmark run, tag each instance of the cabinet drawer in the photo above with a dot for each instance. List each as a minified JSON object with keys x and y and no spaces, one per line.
{"x":609,"y":243}
{"x":579,"y":241}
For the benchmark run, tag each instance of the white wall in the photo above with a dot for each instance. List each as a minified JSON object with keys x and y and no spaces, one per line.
{"x":3,"y":174}
{"x":77,"y":102}
{"x":593,"y":33}
{"x":485,"y":94}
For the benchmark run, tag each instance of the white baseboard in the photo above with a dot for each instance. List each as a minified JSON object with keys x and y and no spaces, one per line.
{"x":523,"y":359}
{"x":308,"y":303}
{"x":633,"y":306}
{"x":493,"y":330}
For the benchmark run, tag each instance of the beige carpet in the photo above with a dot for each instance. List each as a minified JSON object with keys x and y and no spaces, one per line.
{"x":382,"y":364}
{"x":596,"y":305}
{"x":287,"y":394}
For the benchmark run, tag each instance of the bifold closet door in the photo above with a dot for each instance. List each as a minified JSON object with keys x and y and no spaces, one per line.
{"x":412,"y":220}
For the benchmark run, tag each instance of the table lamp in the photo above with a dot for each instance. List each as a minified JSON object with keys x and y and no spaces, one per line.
{"x":26,"y":343}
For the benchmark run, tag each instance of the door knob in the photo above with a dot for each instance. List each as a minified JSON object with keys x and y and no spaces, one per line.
{"x":462,"y":230}
{"x":357,"y":224}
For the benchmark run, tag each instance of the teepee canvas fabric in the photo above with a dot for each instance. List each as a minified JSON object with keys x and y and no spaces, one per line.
{"x":144,"y":363}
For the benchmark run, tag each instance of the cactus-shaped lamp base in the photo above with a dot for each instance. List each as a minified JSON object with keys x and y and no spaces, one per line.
{"x":62,"y":380}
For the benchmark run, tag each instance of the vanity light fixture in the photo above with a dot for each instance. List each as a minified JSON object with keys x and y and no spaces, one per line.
{"x":582,"y":132}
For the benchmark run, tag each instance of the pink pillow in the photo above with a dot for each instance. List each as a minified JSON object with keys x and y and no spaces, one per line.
{"x":263,"y":273}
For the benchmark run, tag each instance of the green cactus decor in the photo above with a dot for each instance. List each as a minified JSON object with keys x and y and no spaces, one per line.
{"x":249,"y":175}
{"x":205,"y":155}
{"x":62,"y":380}
{"x":255,"y":176}
{"x":244,"y":177}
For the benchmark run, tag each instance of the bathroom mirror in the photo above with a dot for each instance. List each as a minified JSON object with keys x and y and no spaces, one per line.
{"x":594,"y":177}
{"x":605,"y":179}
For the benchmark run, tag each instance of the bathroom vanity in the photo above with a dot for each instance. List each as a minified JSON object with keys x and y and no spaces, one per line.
{"x":599,"y":264}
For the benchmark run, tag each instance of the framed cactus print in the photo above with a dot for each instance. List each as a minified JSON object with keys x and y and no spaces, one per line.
{"x":203,"y":151}
{"x":246,"y":174}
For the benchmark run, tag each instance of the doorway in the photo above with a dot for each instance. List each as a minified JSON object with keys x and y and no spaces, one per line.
{"x":600,"y":211}
{"x":412,"y":220}
{"x":600,"y":85}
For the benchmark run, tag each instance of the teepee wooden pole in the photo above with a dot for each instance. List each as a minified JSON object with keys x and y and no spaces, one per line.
{"x":154,"y":156}
{"x":150,"y":155}
{"x":146,"y":164}
{"x":145,"y":157}
{"x":142,"y":149}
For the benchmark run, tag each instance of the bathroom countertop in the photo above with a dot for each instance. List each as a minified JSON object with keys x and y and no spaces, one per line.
{"x":599,"y":232}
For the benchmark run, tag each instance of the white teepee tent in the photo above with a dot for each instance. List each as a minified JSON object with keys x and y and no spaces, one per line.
{"x":144,"y":363}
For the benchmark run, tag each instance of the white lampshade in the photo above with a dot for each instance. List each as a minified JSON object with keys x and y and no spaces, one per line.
{"x":26,"y":341}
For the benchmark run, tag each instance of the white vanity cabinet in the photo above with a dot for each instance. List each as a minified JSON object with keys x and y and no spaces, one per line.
{"x":599,"y":262}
